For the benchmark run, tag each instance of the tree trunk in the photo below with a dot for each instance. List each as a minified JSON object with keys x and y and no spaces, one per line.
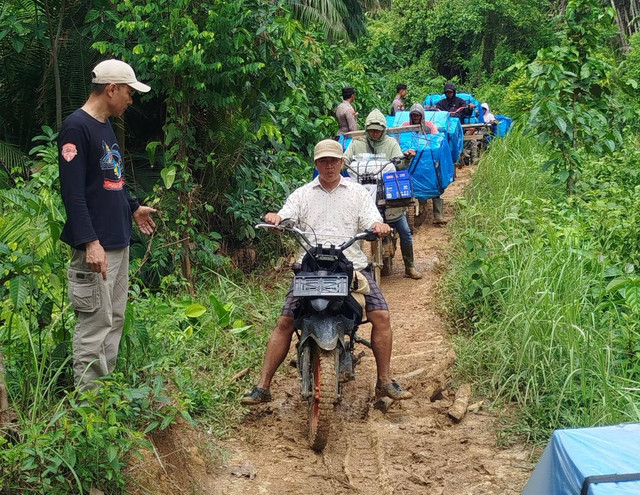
{"x":627,"y":18}
{"x":186,"y":244}
{"x":4,"y":395}
{"x":186,"y":198}
{"x":490,"y":40}
{"x":55,"y":50}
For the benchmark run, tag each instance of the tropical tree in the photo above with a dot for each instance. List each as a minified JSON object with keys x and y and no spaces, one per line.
{"x":572,"y":112}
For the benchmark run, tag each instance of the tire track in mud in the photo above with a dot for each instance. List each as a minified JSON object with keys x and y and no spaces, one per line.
{"x":415,"y":448}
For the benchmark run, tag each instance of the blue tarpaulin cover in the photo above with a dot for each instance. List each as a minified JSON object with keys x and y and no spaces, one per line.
{"x":431,"y":169}
{"x":432,"y":101}
{"x":452,"y":128}
{"x":574,"y":454}
{"x":504,"y":124}
{"x":444,"y":122}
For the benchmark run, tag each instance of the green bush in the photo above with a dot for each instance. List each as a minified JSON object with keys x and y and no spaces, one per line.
{"x":178,"y":353}
{"x":549,"y":316}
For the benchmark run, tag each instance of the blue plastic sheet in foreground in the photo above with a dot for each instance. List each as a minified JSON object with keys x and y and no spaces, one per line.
{"x":574,"y":454}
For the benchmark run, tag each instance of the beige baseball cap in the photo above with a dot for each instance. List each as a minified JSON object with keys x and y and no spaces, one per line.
{"x":118,"y":72}
{"x":327,"y":148}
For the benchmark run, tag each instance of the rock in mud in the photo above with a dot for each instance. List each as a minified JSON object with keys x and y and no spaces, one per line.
{"x":245,"y":470}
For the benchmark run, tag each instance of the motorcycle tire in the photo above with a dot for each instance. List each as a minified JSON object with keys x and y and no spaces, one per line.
{"x":388,"y":251}
{"x":422,"y":215}
{"x":324,"y":365}
{"x":387,"y":266}
{"x":411,"y":214}
{"x":376,"y":259}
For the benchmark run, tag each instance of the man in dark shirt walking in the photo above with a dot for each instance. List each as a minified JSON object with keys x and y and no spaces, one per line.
{"x":99,"y":213}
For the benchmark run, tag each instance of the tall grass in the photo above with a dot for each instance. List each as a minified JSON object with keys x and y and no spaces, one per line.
{"x":527,"y":288}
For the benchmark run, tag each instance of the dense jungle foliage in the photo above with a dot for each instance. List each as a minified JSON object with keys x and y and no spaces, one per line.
{"x":543,"y":272}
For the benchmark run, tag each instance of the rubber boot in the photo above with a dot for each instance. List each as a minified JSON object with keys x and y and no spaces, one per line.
{"x":438,"y":206}
{"x":407,"y":256}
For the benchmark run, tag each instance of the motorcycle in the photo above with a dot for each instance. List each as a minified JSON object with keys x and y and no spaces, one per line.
{"x":368,"y":169}
{"x":326,"y":320}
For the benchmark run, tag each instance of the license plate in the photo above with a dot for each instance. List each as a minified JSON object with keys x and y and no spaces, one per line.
{"x":320,"y":285}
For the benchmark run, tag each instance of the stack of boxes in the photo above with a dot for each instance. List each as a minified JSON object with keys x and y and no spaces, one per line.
{"x":397,"y":185}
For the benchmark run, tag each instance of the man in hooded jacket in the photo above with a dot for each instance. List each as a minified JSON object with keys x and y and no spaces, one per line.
{"x":416,"y":117}
{"x":453,"y":104}
{"x":377,"y":142}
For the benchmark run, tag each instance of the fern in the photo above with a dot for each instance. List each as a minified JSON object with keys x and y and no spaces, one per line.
{"x":12,"y":160}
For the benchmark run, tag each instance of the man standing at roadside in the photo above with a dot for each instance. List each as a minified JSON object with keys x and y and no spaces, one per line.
{"x":345,"y":113}
{"x":99,"y":213}
{"x":398,"y":104}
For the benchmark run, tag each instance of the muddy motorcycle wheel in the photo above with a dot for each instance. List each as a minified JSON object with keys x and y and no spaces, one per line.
{"x":388,"y":251}
{"x":376,"y":260}
{"x":324,"y":366}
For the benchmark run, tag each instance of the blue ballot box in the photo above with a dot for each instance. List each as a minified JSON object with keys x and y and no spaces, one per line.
{"x":603,"y":460}
{"x":397,"y":185}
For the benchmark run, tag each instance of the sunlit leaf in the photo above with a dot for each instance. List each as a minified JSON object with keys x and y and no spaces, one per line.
{"x":195,"y":310}
{"x":168,"y":175}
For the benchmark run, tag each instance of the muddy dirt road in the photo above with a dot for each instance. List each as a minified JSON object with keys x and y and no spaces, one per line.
{"x":415,"y":448}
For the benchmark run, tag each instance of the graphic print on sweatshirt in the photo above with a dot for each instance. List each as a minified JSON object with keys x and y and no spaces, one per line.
{"x":111,"y":165}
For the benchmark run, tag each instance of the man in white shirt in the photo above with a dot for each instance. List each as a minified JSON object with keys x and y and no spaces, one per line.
{"x":334,"y":207}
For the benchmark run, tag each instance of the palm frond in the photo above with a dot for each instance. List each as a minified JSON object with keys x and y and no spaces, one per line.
{"x":328,"y":14}
{"x":12,"y":159}
{"x":354,"y":22}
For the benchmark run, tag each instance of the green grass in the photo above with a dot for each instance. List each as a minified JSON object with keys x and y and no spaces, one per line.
{"x":526,"y":288}
{"x":181,"y":355}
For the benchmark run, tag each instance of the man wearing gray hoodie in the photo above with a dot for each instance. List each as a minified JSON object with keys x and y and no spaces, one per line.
{"x":416,"y":117}
{"x":377,"y":142}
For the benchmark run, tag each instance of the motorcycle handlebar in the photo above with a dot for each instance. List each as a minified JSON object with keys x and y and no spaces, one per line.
{"x":395,"y":160}
{"x":287,"y":225}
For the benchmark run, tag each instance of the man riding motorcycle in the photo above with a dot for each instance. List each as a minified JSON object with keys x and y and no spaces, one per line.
{"x":377,"y":142}
{"x":335,"y":208}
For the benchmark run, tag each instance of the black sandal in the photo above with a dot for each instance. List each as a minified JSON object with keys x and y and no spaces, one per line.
{"x":258,"y":395}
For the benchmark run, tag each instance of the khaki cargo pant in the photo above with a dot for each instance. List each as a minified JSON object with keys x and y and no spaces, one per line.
{"x":99,"y":305}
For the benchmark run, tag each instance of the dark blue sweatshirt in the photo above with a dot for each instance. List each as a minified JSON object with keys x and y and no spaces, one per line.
{"x":92,"y":184}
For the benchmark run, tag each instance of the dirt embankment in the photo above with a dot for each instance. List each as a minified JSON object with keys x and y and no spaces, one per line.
{"x":415,"y":448}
